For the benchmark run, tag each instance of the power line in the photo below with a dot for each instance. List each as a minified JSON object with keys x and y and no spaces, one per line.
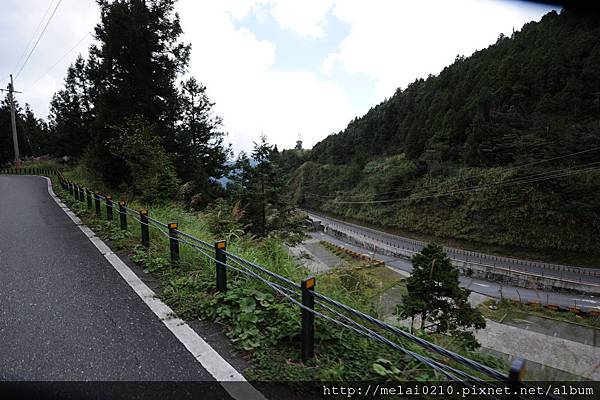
{"x":62,"y":57}
{"x":469,"y":177}
{"x":34,"y":33}
{"x":38,"y":39}
{"x":527,"y":179}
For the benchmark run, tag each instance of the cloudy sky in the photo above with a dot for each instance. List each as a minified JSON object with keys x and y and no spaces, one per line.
{"x":282,"y":67}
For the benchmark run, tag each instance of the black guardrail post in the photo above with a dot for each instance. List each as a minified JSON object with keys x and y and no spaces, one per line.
{"x":122,"y":215}
{"x":173,"y":243}
{"x":109,"y":208}
{"x":516,"y":375}
{"x":97,"y":203}
{"x":88,"y":195}
{"x":308,"y":318}
{"x":144,"y":227}
{"x":221,"y":265}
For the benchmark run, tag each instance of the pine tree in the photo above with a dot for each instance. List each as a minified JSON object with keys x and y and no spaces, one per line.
{"x":435,"y":296}
{"x":71,"y":112}
{"x":31,"y":132}
{"x":201,"y":153}
{"x":6,"y":141}
{"x":257,"y":185}
{"x":134,"y":71}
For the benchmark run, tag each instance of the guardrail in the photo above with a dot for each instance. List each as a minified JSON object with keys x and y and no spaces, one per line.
{"x":452,"y":365}
{"x":415,"y":245}
{"x":528,"y":278}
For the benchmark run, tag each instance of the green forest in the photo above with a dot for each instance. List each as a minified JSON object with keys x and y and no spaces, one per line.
{"x":501,"y":147}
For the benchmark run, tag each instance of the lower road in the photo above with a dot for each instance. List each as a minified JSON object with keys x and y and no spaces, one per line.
{"x":65,"y":312}
{"x":487,"y":288}
{"x":584,"y":275}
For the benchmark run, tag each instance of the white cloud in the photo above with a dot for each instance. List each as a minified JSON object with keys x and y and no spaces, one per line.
{"x":390,"y":42}
{"x":395,"y":42}
{"x":251,"y":96}
{"x":306,"y":17}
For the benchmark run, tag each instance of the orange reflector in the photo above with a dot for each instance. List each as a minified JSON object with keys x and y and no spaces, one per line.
{"x":310,"y":283}
{"x":108,"y":197}
{"x":122,"y":203}
{"x":221,"y":244}
{"x":173,"y":225}
{"x":522,"y":374}
{"x":144,"y":212}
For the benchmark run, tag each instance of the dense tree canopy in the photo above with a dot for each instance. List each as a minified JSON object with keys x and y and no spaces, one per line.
{"x":32,"y":133}
{"x":531,"y":96}
{"x":72,"y":112}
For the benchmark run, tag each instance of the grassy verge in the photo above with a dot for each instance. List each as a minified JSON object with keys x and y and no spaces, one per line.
{"x":372,"y":278}
{"x":507,"y":310}
{"x":263,"y":327}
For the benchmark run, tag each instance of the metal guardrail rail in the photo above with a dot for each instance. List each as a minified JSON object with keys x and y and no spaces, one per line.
{"x":494,"y":262}
{"x":453,"y":366}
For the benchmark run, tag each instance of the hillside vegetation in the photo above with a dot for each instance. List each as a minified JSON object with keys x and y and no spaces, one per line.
{"x":500,"y":148}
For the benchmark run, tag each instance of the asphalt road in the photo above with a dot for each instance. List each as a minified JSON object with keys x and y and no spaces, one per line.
{"x":487,"y":288}
{"x":535,"y":267}
{"x":65,"y":313}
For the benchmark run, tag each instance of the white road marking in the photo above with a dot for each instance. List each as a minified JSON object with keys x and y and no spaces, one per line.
{"x":480,"y":284}
{"x":586,"y":301}
{"x":232,"y":381}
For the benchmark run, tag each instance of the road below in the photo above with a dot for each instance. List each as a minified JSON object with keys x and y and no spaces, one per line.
{"x":487,"y":288}
{"x":584,"y":275}
{"x":65,"y":313}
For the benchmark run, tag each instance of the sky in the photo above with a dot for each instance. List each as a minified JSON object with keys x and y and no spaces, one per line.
{"x":285,"y":68}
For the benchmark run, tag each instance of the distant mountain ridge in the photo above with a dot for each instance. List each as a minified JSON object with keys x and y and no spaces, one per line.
{"x":542,"y":79}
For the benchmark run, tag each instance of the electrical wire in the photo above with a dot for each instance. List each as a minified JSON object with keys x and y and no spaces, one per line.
{"x":565,"y":173}
{"x":62,"y":58}
{"x":38,"y":39}
{"x":34,"y":33}
{"x":466,"y":177}
{"x":245,"y":267}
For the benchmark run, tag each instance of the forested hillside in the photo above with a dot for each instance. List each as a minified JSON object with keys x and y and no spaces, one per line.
{"x":502,"y":147}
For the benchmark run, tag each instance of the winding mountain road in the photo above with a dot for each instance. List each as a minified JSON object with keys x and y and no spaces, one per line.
{"x":585,"y":275}
{"x":488,"y":288}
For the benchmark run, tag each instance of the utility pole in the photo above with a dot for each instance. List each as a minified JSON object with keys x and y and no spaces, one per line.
{"x":13,"y":119}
